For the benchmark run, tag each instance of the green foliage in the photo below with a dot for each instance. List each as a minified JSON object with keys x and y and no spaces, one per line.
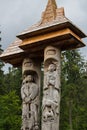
{"x":74,"y":92}
{"x":12,"y":80}
{"x":1,"y":73}
{"x":10,"y":112}
{"x":10,"y":103}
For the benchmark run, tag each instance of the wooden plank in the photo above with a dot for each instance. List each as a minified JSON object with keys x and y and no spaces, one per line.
{"x":33,"y":40}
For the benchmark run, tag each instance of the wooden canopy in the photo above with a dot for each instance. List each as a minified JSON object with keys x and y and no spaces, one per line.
{"x":53,"y":29}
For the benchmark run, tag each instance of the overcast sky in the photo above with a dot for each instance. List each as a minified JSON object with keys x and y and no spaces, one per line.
{"x":18,"y":15}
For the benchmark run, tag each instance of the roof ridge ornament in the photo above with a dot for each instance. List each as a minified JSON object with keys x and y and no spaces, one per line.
{"x":51,"y":12}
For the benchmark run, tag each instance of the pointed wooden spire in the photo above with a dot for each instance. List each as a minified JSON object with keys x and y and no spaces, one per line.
{"x":50,"y":12}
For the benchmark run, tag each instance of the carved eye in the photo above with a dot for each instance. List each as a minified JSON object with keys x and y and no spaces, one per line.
{"x":23,"y":83}
{"x":26,"y":81}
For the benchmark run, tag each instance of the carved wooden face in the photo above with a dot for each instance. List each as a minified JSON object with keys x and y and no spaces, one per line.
{"x":51,"y":67}
{"x":30,"y":78}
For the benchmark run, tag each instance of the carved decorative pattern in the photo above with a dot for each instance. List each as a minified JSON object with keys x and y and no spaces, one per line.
{"x":30,"y":97}
{"x":51,"y":89}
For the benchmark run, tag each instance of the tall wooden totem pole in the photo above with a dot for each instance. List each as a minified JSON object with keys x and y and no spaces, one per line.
{"x":43,"y":43}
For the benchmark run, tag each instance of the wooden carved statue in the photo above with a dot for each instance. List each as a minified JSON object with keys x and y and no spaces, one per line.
{"x":51,"y":90}
{"x":30,"y":97}
{"x":29,"y":94}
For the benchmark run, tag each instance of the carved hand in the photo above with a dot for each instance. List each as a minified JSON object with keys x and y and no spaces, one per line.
{"x":27,"y":99}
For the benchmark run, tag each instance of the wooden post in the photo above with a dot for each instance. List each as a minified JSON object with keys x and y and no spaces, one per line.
{"x":51,"y":90}
{"x":30,"y":92}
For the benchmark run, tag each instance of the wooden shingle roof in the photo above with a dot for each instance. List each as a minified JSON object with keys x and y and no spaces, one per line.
{"x":12,"y":52}
{"x":53,"y":28}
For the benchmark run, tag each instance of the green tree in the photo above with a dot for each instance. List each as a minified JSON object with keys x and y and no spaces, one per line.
{"x":12,"y":80}
{"x":72,"y":87}
{"x":10,"y":101}
{"x":1,"y":72}
{"x":10,"y":112}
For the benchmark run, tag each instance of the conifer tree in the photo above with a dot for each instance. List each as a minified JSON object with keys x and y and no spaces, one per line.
{"x":10,"y":103}
{"x":73,"y":89}
{"x":1,"y":71}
